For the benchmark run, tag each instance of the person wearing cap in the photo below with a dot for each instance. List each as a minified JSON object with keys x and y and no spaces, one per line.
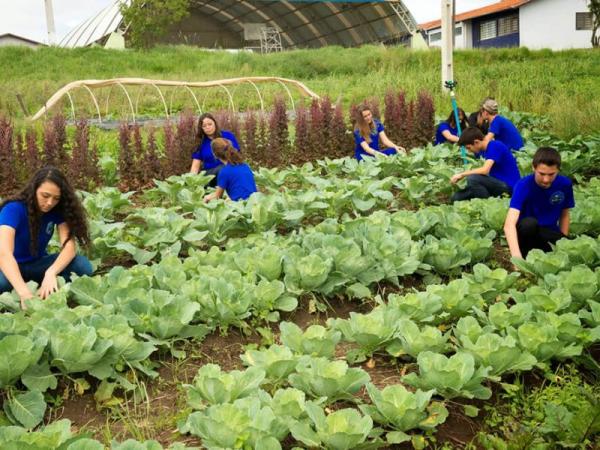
{"x":500,"y":128}
{"x":539,"y":208}
{"x":499,"y":172}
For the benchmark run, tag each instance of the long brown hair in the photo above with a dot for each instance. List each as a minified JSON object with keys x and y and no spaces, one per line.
{"x":223,"y":150}
{"x":362,"y":126}
{"x":200,"y":133}
{"x":69,"y":207}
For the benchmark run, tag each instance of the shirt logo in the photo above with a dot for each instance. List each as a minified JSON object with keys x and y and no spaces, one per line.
{"x":50,"y":228}
{"x":557,"y":198}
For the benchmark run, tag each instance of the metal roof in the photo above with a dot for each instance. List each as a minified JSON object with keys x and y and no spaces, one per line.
{"x":302,"y":23}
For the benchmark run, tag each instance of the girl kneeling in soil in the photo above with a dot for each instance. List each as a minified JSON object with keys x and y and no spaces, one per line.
{"x":27,"y":223}
{"x":236,"y":177}
{"x":367,"y":133}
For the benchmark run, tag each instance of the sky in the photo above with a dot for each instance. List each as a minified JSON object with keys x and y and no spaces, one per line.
{"x":27,"y":18}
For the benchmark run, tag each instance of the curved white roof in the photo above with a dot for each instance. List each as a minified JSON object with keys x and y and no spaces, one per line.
{"x":95,"y":28}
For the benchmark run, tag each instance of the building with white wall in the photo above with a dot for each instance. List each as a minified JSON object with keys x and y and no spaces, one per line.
{"x":554,"y":24}
{"x":9,"y":39}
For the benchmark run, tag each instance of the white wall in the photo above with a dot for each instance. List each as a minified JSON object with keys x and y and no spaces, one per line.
{"x":459,"y":41}
{"x":11,"y":40}
{"x":551,"y":24}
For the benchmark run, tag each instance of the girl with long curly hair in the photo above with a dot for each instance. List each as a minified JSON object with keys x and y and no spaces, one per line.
{"x":367,"y":134}
{"x":203,"y":158}
{"x":27,"y":223}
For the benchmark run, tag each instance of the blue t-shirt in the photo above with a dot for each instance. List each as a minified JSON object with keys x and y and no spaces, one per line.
{"x":14,"y":214}
{"x":439,"y":137}
{"x":546,"y":205}
{"x":359,"y":152}
{"x":505,"y":132}
{"x":237,"y":180}
{"x":204,"y":152}
{"x":505,"y":166}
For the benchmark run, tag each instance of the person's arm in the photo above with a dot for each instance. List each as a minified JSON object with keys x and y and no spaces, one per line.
{"x":510,"y":231}
{"x":449,"y":136}
{"x":196,"y":166}
{"x":483,"y":170}
{"x":564,"y":222}
{"x":9,"y":265}
{"x":389,"y":144}
{"x":215,"y":195}
{"x":369,"y":150}
{"x":67,"y":253}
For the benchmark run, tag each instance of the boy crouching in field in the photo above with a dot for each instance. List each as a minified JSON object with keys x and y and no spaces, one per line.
{"x":539,"y":208}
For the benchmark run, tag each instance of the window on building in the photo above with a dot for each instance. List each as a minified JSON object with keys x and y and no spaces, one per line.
{"x":508,"y":25}
{"x":583,"y":21}
{"x":458,"y":31}
{"x":434,"y":37}
{"x":488,"y":30}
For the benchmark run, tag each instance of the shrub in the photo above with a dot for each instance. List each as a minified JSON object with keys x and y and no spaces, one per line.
{"x":278,"y":133}
{"x":301,"y":139}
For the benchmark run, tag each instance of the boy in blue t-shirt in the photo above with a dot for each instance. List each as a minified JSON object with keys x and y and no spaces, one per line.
{"x":497,"y":176}
{"x":539,"y":209}
{"x":500,"y":129}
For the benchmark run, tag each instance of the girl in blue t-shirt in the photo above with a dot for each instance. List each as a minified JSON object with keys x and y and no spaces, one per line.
{"x":448,"y":131}
{"x":367,"y":134}
{"x":27,"y":223}
{"x":203,"y":158}
{"x":236,"y":177}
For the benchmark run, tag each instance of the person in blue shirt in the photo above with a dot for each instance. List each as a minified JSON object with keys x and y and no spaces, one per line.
{"x":27,"y":223}
{"x":539,"y":208}
{"x":499,"y":172}
{"x":367,"y":134}
{"x":447,"y":131}
{"x":500,"y":128}
{"x":203,"y":158}
{"x":236,"y":177}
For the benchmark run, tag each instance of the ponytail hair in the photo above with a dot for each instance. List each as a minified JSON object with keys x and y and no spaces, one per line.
{"x":223,"y":150}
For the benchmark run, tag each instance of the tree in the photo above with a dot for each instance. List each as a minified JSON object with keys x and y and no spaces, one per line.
{"x":148,"y":20}
{"x":594,"y":6}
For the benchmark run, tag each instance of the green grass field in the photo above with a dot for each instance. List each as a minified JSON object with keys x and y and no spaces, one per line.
{"x":562,"y":85}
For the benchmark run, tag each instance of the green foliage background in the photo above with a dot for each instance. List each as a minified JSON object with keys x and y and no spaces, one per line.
{"x":562,"y":85}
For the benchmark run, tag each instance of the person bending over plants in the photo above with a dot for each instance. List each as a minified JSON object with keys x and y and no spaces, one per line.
{"x":367,"y":133}
{"x":499,"y":172}
{"x":447,"y":131}
{"x":539,"y":208}
{"x":27,"y":223}
{"x":500,"y":128}
{"x":203,"y":158}
{"x":236,"y":177}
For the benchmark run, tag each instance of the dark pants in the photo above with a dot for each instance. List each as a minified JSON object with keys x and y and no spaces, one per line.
{"x":531,"y":236}
{"x":35,"y":270}
{"x":481,"y":186}
{"x":214,"y":171}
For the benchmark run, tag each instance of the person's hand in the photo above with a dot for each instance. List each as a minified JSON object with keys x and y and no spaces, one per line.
{"x":456,"y":178}
{"x":26,"y":295}
{"x":400,"y":149}
{"x":49,"y":285}
{"x":207,"y":198}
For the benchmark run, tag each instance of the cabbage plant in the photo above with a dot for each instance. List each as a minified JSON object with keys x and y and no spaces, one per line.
{"x":397,"y":408}
{"x":277,"y":361}
{"x":412,"y":340}
{"x":212,"y":386}
{"x":320,"y":377}
{"x":316,"y":340}
{"x":343,"y":429}
{"x":456,"y":376}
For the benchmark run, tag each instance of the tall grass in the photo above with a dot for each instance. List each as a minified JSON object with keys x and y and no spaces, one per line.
{"x":563,"y":85}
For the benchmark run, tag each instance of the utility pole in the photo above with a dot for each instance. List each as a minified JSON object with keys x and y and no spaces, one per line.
{"x":448,"y":9}
{"x":50,"y":22}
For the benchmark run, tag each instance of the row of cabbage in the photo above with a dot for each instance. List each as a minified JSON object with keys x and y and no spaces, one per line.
{"x":463,"y":336}
{"x":125,"y":315}
{"x":175,"y":219}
